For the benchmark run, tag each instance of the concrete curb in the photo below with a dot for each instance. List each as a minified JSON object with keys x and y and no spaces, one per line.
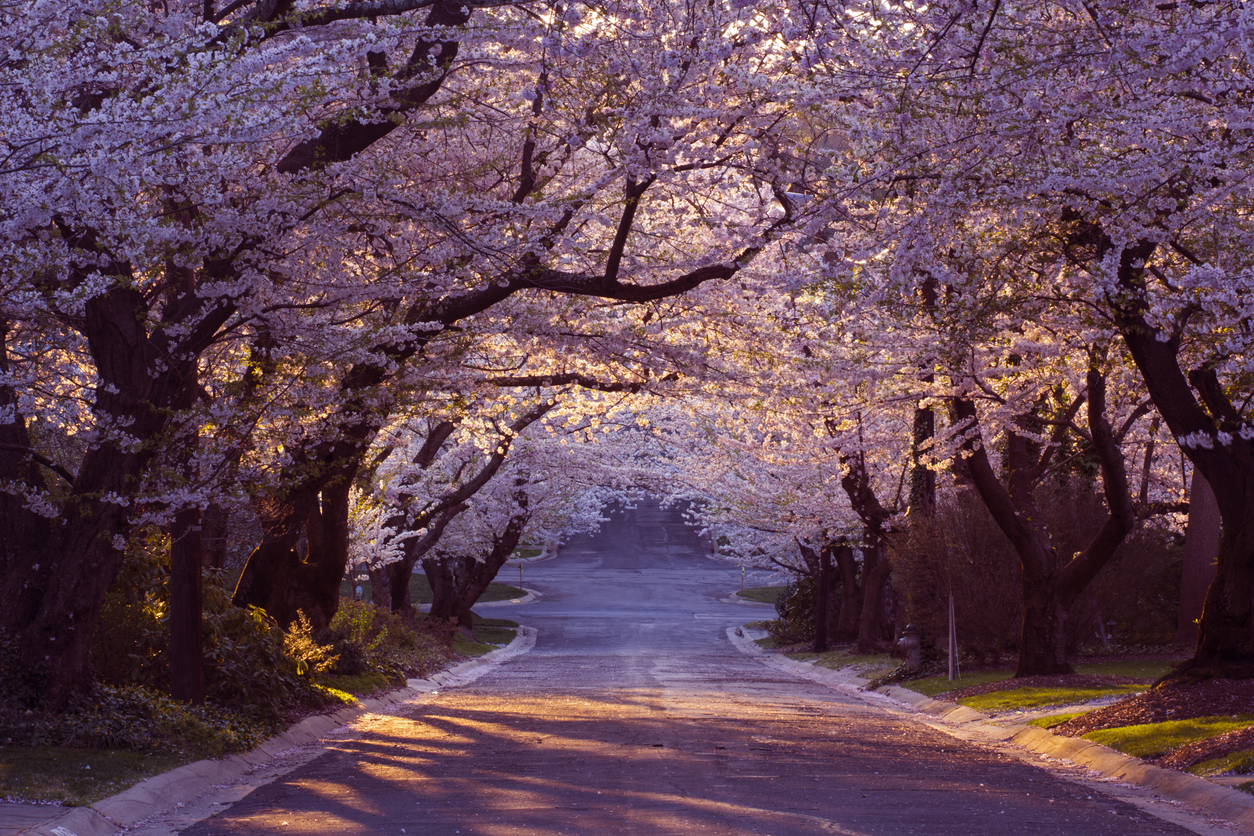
{"x":165,"y":793}
{"x":1199,"y":794}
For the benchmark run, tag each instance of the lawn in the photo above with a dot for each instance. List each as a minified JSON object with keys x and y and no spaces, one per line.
{"x":934,"y":685}
{"x":761,"y":594}
{"x":78,"y":777}
{"x":420,"y":590}
{"x":491,"y":633}
{"x":1152,"y":740}
{"x":1023,"y":699}
{"x":866,"y":665}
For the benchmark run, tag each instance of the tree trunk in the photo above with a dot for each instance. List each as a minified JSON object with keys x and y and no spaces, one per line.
{"x":277,"y":577}
{"x":1196,"y":406}
{"x":875,"y":571}
{"x":1049,"y":586}
{"x":187,"y":672}
{"x":1225,"y":645}
{"x":850,"y":595}
{"x":443,"y":590}
{"x":823,"y":602}
{"x":479,"y":574}
{"x":53,"y":589}
{"x":1043,"y":637}
{"x":381,"y":586}
{"x":1201,"y":549}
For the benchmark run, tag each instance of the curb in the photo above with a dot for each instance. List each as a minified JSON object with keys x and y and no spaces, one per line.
{"x":171,"y":791}
{"x":1205,"y":796}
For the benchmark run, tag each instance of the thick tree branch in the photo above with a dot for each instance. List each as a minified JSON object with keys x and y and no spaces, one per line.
{"x":43,"y":460}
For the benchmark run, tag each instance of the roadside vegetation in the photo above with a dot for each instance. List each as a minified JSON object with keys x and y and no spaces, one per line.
{"x":259,"y":680}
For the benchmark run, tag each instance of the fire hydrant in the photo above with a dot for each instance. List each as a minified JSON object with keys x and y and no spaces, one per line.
{"x":911,"y":647}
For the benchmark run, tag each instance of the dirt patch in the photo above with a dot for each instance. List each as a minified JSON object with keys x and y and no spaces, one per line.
{"x":1215,"y":697}
{"x":1058,"y":681}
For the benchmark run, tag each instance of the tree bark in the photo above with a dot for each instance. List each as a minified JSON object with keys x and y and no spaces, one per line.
{"x":1201,"y":549}
{"x":277,"y":577}
{"x":875,"y":572}
{"x":479,"y":574}
{"x":187,"y":672}
{"x":443,"y":590}
{"x":823,"y":602}
{"x":850,"y":595}
{"x":59,"y":583}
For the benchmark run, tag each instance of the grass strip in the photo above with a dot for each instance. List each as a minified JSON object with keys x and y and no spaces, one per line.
{"x":869,"y":665}
{"x":420,"y":591}
{"x":933,"y":685}
{"x":1054,"y":720}
{"x":761,"y":594}
{"x":78,"y":777}
{"x":1020,"y":699}
{"x":1152,"y":740}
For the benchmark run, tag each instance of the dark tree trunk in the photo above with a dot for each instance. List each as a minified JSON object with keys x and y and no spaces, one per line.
{"x":187,"y":673}
{"x":1050,"y":586}
{"x":1043,"y":638}
{"x":53,"y":588}
{"x":1196,"y":406}
{"x":1201,"y":549}
{"x":875,"y":571}
{"x":216,"y":537}
{"x":381,"y":586}
{"x":443,"y":590}
{"x":856,"y":482}
{"x":282,"y":581}
{"x":850,"y":595}
{"x":823,"y":603}
{"x":922,"y":478}
{"x":479,"y":574}
{"x":391,"y":587}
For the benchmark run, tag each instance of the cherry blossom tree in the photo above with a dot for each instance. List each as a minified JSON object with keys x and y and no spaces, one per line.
{"x":251,"y":232}
{"x":998,"y":166}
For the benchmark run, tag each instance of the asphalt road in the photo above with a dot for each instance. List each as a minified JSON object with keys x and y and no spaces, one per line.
{"x":634,"y":714}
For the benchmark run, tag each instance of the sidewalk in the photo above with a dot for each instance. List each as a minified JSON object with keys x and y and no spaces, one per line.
{"x":1199,"y":794}
{"x":196,"y":791}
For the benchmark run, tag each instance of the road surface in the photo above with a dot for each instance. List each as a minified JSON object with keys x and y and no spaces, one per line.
{"x":634,"y":714}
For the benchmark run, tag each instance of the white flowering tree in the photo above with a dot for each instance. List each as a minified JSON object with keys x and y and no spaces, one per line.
{"x":1045,"y":181}
{"x":251,"y":233}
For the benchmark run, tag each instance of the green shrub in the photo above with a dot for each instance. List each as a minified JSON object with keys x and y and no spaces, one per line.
{"x":311,"y":657}
{"x":246,"y":660}
{"x":369,"y":640}
{"x":796,"y":606}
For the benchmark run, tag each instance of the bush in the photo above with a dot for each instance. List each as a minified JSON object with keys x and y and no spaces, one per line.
{"x":796,"y":606}
{"x":247,"y":663}
{"x":311,"y":658}
{"x":371,"y":640}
